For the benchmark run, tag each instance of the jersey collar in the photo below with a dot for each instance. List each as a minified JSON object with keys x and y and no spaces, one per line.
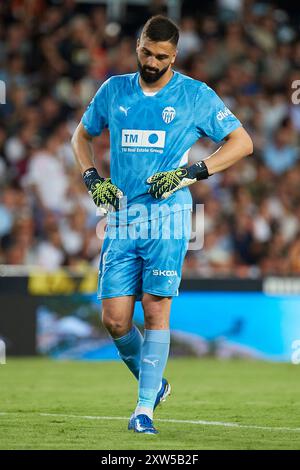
{"x":159,"y":92}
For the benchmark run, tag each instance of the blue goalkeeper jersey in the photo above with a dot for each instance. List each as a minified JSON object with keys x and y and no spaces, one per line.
{"x":149,"y":134}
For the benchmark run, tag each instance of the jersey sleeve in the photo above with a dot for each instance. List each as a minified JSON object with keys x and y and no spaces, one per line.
{"x":95,"y":118}
{"x":212,"y":118}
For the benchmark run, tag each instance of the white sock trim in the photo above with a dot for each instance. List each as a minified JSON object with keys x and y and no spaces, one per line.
{"x":142,"y":410}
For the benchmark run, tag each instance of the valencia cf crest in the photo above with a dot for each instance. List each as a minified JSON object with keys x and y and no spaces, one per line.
{"x":168,"y":114}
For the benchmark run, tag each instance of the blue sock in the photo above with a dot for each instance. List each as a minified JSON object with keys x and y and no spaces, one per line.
{"x":129,"y":347}
{"x":155,"y":352}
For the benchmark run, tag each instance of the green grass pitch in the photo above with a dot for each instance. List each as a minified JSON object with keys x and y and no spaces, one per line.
{"x":50,"y":405}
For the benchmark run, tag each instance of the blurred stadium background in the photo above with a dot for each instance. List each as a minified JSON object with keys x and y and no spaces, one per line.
{"x":240,"y":295}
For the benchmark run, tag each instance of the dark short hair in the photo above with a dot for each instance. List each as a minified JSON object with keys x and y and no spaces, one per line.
{"x":160,"y":28}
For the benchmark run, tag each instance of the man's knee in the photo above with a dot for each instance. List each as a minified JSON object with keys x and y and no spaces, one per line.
{"x":156,"y":312}
{"x":115,"y":324}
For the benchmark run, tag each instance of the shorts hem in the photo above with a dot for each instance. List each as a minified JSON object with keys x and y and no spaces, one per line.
{"x":111,"y":296}
{"x":160,"y":294}
{"x":137,"y":294}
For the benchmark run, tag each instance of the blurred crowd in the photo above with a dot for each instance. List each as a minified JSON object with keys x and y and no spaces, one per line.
{"x":54,"y":56}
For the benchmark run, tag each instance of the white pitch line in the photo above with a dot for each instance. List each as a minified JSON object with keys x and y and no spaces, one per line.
{"x":181,"y":421}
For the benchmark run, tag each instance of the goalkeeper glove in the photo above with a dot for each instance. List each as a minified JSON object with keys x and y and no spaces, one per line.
{"x":104,"y":193}
{"x":164,"y":183}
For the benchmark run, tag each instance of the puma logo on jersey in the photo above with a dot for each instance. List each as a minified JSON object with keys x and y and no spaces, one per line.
{"x":124,"y":110}
{"x":153,"y":363}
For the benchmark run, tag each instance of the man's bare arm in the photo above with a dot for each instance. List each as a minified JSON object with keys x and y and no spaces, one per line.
{"x":238,"y":145}
{"x":82,"y":148}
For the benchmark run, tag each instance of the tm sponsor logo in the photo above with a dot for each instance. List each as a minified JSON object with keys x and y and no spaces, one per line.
{"x":143,"y":138}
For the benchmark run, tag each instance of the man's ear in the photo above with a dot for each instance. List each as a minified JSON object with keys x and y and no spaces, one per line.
{"x":137,"y":44}
{"x":174,"y":57}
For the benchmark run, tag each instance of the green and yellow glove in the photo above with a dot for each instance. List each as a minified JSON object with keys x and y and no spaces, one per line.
{"x":104,"y":193}
{"x":165,"y":183}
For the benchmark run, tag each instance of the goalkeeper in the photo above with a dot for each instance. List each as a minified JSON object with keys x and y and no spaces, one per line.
{"x":154,"y":117}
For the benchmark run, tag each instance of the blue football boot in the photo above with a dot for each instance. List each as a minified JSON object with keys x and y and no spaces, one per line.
{"x":162,"y":395}
{"x":144,"y":425}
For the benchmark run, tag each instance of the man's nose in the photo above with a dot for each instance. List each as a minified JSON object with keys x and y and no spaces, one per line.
{"x":151,"y":62}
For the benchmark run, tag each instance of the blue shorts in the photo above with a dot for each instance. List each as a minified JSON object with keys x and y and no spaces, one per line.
{"x":144,"y":257}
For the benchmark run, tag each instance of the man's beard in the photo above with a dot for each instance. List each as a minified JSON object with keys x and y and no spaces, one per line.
{"x":150,"y":75}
